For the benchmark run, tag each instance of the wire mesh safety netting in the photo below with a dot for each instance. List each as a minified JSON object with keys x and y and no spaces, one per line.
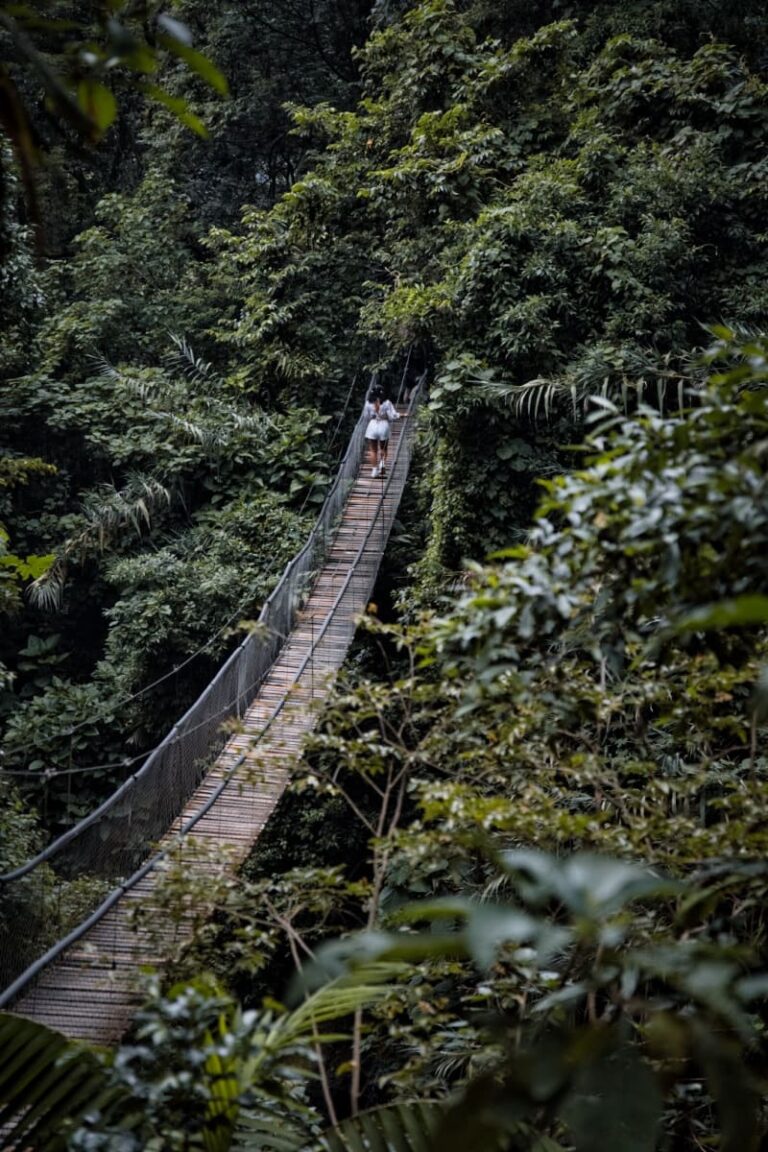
{"x":52,"y":897}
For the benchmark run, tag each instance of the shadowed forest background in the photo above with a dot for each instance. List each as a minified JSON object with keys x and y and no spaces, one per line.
{"x":530,"y":829}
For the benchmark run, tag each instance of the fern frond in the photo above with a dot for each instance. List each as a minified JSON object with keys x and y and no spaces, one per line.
{"x":341,"y":997}
{"x":195,"y":369}
{"x":110,"y":510}
{"x":139,"y":384}
{"x":525,"y":399}
{"x":47,"y":592}
{"x":633,"y":382}
{"x":107,"y":370}
{"x":212,"y":439}
{"x":259,"y":423}
{"x":222,"y":424}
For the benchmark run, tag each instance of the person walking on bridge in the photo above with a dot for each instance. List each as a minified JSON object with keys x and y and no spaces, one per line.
{"x":381,"y":413}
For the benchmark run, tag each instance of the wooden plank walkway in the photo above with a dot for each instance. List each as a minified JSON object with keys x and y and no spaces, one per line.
{"x":90,"y":993}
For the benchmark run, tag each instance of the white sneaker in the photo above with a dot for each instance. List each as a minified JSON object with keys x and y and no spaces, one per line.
{"x":374,"y":473}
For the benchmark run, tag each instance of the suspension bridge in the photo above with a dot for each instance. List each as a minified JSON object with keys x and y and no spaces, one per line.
{"x":205,"y":793}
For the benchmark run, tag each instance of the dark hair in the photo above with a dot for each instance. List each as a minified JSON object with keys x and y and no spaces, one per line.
{"x":376,"y":393}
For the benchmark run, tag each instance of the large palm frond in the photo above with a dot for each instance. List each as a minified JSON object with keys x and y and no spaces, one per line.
{"x":280,"y":1043}
{"x":270,"y":1130}
{"x":136,"y":382}
{"x":530,"y":400}
{"x":429,"y":1126}
{"x":363,"y":985}
{"x":404,"y":1127}
{"x":106,"y":512}
{"x":626,"y":377}
{"x":408,"y":1126}
{"x":47,"y":1083}
{"x":198,"y":371}
{"x":191,"y":397}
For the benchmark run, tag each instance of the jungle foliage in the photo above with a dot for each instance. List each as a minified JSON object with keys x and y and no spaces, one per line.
{"x":527,"y":842}
{"x":545,"y":218}
{"x":147,"y":504}
{"x":594,"y":699}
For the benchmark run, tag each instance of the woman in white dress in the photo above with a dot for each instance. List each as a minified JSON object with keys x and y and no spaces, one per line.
{"x":380,"y":413}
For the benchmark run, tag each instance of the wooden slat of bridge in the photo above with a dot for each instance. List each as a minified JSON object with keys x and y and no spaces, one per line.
{"x":91,"y":992}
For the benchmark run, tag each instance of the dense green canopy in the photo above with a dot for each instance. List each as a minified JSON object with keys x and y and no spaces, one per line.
{"x":556,"y":211}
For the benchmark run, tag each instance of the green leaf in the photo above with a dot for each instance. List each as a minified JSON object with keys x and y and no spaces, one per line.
{"x":490,"y":926}
{"x":178,"y":106}
{"x":731,"y":1087}
{"x":176,"y":29}
{"x":603,"y":1113}
{"x":481,"y":1119}
{"x":29,"y":568}
{"x":353,"y":957}
{"x":589,"y":885}
{"x":199,"y":63}
{"x":97,"y":102}
{"x":753,"y":987}
{"x":341,"y":997}
{"x":35,"y":566}
{"x":740,"y":612}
